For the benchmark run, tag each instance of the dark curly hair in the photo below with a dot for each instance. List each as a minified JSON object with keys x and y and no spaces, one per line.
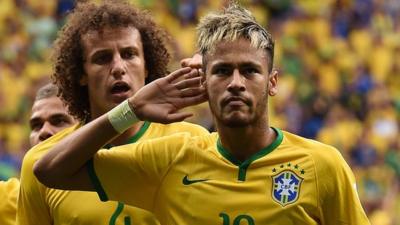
{"x":68,"y":50}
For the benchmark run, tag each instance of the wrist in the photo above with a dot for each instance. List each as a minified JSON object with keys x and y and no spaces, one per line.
{"x":122,"y":116}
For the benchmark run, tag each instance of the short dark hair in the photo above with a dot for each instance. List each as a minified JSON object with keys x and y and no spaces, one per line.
{"x":68,"y":49}
{"x":47,"y":91}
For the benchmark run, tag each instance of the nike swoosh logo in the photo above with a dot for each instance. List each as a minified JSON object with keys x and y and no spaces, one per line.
{"x":186,"y":180}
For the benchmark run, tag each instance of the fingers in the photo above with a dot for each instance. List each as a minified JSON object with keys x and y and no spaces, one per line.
{"x":193,"y":100}
{"x":190,"y":92}
{"x":177,"y":74}
{"x":193,"y":82}
{"x":185,"y":62}
{"x":195,"y":62}
{"x":193,"y":73}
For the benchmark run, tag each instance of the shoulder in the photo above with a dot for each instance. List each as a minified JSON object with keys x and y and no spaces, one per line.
{"x":9,"y":190}
{"x":317,"y":150}
{"x":193,"y":129}
{"x":37,"y":151}
{"x":204,"y":141}
{"x":10,"y":186}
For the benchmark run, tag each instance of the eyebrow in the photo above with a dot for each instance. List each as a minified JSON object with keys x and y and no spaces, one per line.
{"x":34,"y":120}
{"x":57,"y":115}
{"x":106,"y":50}
{"x":243,"y":64}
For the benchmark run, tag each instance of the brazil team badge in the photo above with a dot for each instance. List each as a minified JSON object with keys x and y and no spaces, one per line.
{"x":286,"y":187}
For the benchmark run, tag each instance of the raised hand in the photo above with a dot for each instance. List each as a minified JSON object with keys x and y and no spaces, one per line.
{"x":195,"y":62}
{"x":161,"y":100}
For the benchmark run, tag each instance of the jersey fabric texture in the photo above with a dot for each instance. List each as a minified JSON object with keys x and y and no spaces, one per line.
{"x":8,"y":201}
{"x":194,"y":180}
{"x":39,"y":205}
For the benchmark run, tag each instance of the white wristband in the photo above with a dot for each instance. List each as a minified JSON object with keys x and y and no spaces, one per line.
{"x":122,"y":117}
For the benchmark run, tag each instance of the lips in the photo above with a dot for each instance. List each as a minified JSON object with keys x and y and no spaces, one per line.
{"x":119,"y":87}
{"x":235,"y":100}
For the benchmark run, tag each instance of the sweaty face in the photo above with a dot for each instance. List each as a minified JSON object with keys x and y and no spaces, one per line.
{"x":49,"y":116}
{"x":238,"y":83}
{"x":114,"y":66}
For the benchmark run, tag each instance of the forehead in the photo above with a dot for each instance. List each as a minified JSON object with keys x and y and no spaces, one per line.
{"x":47,"y":107}
{"x":237,"y":52}
{"x":107,"y":37}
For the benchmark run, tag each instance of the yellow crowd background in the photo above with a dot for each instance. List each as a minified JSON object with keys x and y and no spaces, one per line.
{"x":339,"y":65}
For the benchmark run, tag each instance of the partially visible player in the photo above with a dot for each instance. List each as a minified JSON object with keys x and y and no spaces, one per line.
{"x":104,"y":54}
{"x":246,"y":173}
{"x":8,"y":202}
{"x":49,"y":116}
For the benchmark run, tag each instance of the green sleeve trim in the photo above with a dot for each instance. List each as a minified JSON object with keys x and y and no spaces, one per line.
{"x":95,"y":181}
{"x":118,"y":211}
{"x":244,"y":165}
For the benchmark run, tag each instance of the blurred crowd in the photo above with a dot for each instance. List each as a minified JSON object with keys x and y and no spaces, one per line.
{"x":339,"y":77}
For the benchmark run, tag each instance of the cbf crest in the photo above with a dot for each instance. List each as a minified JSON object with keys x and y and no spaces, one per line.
{"x":286,"y":187}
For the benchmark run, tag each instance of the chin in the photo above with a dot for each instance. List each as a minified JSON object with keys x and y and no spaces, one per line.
{"x":236,"y":122}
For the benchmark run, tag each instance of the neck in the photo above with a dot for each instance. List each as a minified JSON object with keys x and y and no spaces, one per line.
{"x":243,"y":142}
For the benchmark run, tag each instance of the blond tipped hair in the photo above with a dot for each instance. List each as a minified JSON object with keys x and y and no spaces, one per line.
{"x":232,"y":23}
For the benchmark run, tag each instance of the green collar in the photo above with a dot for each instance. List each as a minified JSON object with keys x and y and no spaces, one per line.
{"x":135,"y":137}
{"x":244,"y":165}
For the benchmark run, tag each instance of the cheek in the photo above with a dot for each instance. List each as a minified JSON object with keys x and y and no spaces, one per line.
{"x":33,"y":137}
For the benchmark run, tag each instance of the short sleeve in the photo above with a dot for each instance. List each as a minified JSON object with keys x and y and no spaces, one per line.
{"x":338,"y":196}
{"x":132,"y":173}
{"x":32,"y":206}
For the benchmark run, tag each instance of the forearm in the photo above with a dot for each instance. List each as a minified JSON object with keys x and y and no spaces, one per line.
{"x":65,"y":162}
{"x":63,"y":166}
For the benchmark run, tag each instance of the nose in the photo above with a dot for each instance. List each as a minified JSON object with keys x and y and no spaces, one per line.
{"x":117,"y":66}
{"x":237,"y":82}
{"x":46,"y":131}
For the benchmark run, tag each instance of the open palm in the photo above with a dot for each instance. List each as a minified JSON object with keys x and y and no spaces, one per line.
{"x":161,"y":100}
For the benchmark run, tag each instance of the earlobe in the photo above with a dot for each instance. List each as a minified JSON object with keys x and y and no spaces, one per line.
{"x":273,"y":91}
{"x":273,"y":80}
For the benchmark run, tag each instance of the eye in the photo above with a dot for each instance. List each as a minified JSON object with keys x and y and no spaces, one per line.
{"x":102,"y":58}
{"x":250,"y":71}
{"x":36,"y":125}
{"x":221,"y":71}
{"x":127,"y":54}
{"x":59,"y":121}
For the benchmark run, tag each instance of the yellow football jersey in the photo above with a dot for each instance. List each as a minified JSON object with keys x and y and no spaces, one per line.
{"x":194,"y":180}
{"x":8,"y":201}
{"x":39,"y":205}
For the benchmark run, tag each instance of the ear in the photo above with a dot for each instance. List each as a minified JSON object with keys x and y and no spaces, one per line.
{"x":84,"y":80}
{"x":272,"y":83}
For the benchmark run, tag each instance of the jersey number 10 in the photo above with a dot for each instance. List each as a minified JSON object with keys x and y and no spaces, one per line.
{"x":226,"y":219}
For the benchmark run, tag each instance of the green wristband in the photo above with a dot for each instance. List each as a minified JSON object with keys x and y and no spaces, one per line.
{"x":122,"y":117}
